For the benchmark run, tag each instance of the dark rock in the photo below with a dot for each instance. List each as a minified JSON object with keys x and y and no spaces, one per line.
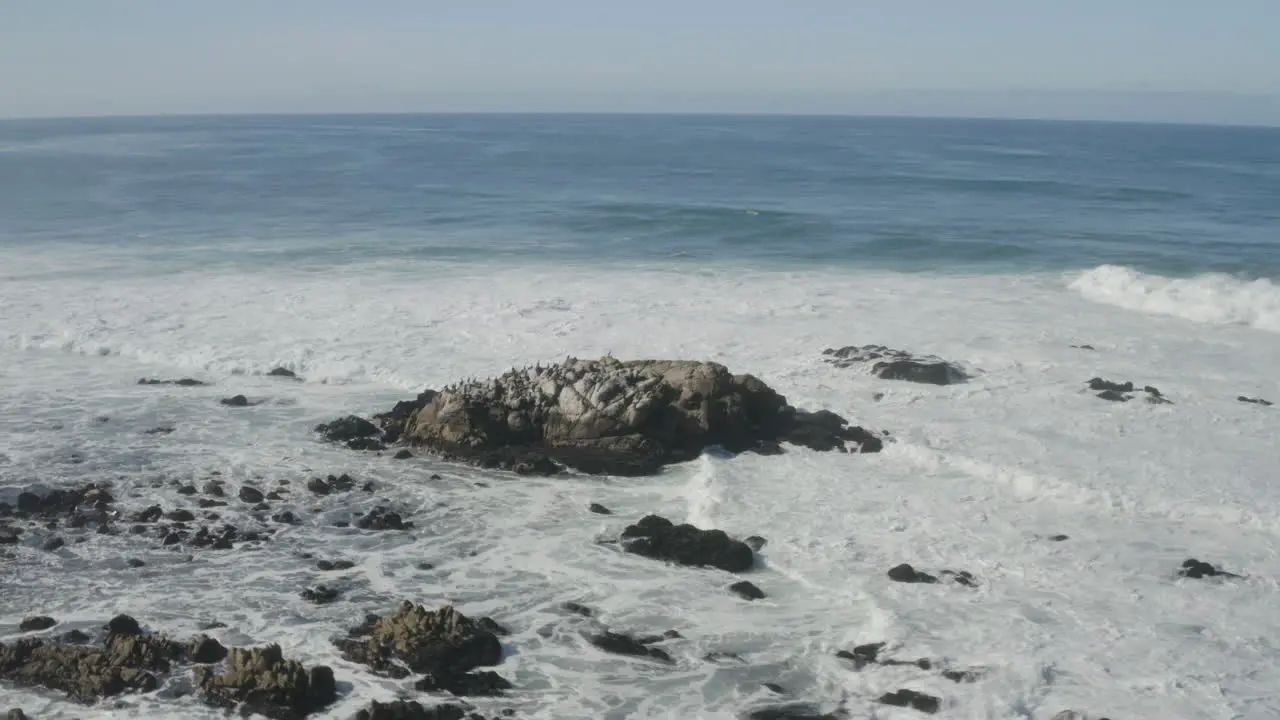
{"x":1059,"y":538}
{"x":238,"y":401}
{"x":862,"y":655}
{"x":892,"y":364}
{"x":368,"y":444}
{"x":275,"y":495}
{"x":1196,"y":569}
{"x":181,"y":516}
{"x":123,"y":625}
{"x":250,"y":494}
{"x":1098,"y":384}
{"x":160,"y":430}
{"x":208,"y":503}
{"x":1254,"y":400}
{"x":718,"y":657}
{"x":347,"y":429}
{"x":607,"y":416}
{"x":212,"y":625}
{"x":286,"y":517}
{"x":367,"y":487}
{"x":912,"y":699}
{"x":75,"y":637}
{"x":184,"y":382}
{"x":599,"y":509}
{"x":774,"y":688}
{"x":577,"y":609}
{"x":442,"y":642}
{"x":402,"y":455}
{"x":187,"y":490}
{"x":474,"y":684}
{"x":801,"y":711}
{"x":621,"y":644}
{"x":904,"y":573}
{"x":747,"y":590}
{"x":320,"y":595}
{"x":412,"y":710}
{"x":151,"y":514}
{"x":53,"y":543}
{"x":960,"y":577}
{"x":755,"y":542}
{"x":173,"y":538}
{"x":15,"y":714}
{"x":260,"y":680}
{"x":971,"y":675}
{"x":328,"y":566}
{"x":214,"y":488}
{"x":206,"y":651}
{"x":381,"y":518}
{"x":38,"y":622}
{"x":282,"y":372}
{"x":658,"y":538}
{"x":1084,"y":347}
{"x":135,"y":563}
{"x":1113,"y":396}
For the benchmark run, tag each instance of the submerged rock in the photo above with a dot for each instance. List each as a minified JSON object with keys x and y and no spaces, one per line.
{"x":599,"y":509}
{"x":282,"y":372}
{"x":1197,"y":569}
{"x":414,"y":710}
{"x":658,"y":538}
{"x":442,"y":642}
{"x":1123,"y":392}
{"x":261,"y":680}
{"x":473,"y":684}
{"x":798,"y":711}
{"x":1254,"y":400}
{"x":356,"y":432}
{"x":183,"y":382}
{"x":606,"y":416}
{"x":622,"y":644}
{"x":904,"y":573}
{"x":239,"y":401}
{"x":891,"y":364}
{"x":912,"y":699}
{"x":381,"y":518}
{"x":747,"y":591}
{"x":38,"y":622}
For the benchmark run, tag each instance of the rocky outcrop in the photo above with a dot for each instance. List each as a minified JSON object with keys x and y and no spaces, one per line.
{"x":891,"y":364}
{"x":183,"y":382}
{"x":1254,"y":400}
{"x":355,"y":432}
{"x":1124,"y":392}
{"x":441,"y":643}
{"x":603,"y":416}
{"x":904,"y":573}
{"x":1198,"y":569}
{"x":912,"y":699}
{"x":261,"y":680}
{"x":622,"y":644}
{"x":658,"y":538}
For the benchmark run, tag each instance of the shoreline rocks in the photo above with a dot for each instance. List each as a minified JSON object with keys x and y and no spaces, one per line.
{"x":658,"y":538}
{"x":603,"y":416}
{"x":889,"y":364}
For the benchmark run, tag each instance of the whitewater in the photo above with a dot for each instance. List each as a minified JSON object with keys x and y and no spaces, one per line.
{"x":977,"y":476}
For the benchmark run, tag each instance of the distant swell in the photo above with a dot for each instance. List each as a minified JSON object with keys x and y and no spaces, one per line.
{"x":1215,"y":298}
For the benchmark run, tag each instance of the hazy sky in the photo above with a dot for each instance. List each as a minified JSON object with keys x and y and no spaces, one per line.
{"x":1152,"y":59}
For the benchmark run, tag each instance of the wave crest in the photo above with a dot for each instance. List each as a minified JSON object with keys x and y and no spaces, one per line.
{"x":1213,"y":298}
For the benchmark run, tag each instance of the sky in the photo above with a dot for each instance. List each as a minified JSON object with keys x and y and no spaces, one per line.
{"x":1164,"y":60}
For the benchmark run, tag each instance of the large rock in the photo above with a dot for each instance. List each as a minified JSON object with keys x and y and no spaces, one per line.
{"x":126,"y":662}
{"x":610,"y":416}
{"x":658,"y":538}
{"x":262,"y":681}
{"x":442,"y":642}
{"x":893,"y":364}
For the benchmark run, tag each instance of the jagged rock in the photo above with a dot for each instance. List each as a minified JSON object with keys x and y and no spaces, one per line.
{"x":260,"y":680}
{"x":599,"y":509}
{"x":912,"y":699}
{"x":1123,"y":392}
{"x":53,"y":543}
{"x":187,"y":490}
{"x":441,"y":642}
{"x":286,"y":518}
{"x":327,"y":565}
{"x":621,"y":644}
{"x":1254,"y":400}
{"x":251,"y":494}
{"x":892,"y":364}
{"x":127,"y":662}
{"x":183,"y":382}
{"x":331,"y":484}
{"x":1196,"y":569}
{"x":402,"y":455}
{"x":473,"y":684}
{"x":181,"y":516}
{"x":607,"y":416}
{"x":747,"y":591}
{"x":282,"y":372}
{"x":75,"y":637}
{"x":1098,"y":384}
{"x":755,"y":542}
{"x":862,"y":655}
{"x":971,"y":675}
{"x":64,"y":502}
{"x":412,"y":710}
{"x":38,"y":622}
{"x":658,"y":538}
{"x":15,"y":714}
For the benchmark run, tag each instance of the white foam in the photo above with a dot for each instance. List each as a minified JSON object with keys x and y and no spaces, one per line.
{"x":1212,"y":298}
{"x":973,"y":475}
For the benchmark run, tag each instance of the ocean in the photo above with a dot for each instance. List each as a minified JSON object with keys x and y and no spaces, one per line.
{"x":379,"y":255}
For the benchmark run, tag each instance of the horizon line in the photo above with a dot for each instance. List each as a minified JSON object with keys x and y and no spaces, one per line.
{"x":637,"y":113}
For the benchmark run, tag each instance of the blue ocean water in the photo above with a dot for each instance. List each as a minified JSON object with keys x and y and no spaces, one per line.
{"x":906,"y":194}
